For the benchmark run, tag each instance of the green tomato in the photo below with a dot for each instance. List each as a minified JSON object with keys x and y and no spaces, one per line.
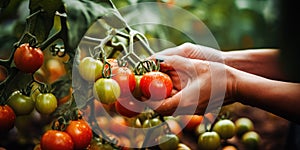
{"x":225,"y":128}
{"x":251,"y":139}
{"x":21,"y":104}
{"x":90,"y":69}
{"x":46,"y":103}
{"x":243,"y":125}
{"x":168,"y":142}
{"x":151,"y":122}
{"x":209,"y":141}
{"x":106,"y":90}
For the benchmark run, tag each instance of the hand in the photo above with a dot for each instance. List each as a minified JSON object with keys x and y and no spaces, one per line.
{"x":199,"y":86}
{"x":193,"y":51}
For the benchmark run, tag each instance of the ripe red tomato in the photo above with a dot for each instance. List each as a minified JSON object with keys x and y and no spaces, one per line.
{"x":7,"y":118}
{"x":28,"y":59}
{"x":190,"y":122}
{"x":156,"y":85}
{"x":106,"y":90}
{"x":90,"y":69}
{"x":125,"y":78}
{"x":56,"y":140}
{"x":80,"y":132}
{"x":129,"y":107}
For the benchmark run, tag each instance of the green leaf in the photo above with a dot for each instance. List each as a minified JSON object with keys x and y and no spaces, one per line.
{"x":42,"y":17}
{"x":81,"y":14}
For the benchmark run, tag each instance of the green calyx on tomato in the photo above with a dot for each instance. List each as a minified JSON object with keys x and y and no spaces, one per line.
{"x":46,"y":103}
{"x":90,"y":69}
{"x":20,"y":103}
{"x":28,"y":59}
{"x":106,"y":90}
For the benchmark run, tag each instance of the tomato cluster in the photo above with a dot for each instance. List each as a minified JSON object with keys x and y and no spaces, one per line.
{"x":119,"y":85}
{"x":77,"y":135}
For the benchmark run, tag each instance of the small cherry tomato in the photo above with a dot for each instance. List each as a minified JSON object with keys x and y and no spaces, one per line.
{"x":46,"y":103}
{"x":80,"y":132}
{"x":225,"y":128}
{"x":21,"y":104}
{"x":149,"y":123}
{"x":129,"y":107}
{"x":168,"y":142}
{"x":156,"y":85}
{"x":243,"y":125}
{"x":28,"y":59}
{"x":106,"y":90}
{"x":7,"y":118}
{"x":125,"y":78}
{"x":56,"y":140}
{"x":251,"y":139}
{"x":209,"y":140}
{"x":90,"y":69}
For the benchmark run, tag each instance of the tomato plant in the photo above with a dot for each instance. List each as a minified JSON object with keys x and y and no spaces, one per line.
{"x":156,"y":85}
{"x":46,"y":103}
{"x":90,"y":69}
{"x":225,"y":128}
{"x":168,"y":142}
{"x":129,"y":107}
{"x":56,"y":140}
{"x":209,"y":140}
{"x":80,"y":132}
{"x":7,"y":118}
{"x":125,"y":78}
{"x":28,"y":59}
{"x":20,"y":103}
{"x":106,"y":90}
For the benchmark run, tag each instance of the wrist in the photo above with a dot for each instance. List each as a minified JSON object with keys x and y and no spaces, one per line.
{"x":232,"y":85}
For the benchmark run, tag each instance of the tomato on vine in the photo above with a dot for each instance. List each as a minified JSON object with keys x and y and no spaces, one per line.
{"x":80,"y":132}
{"x":106,"y":90}
{"x":156,"y":85}
{"x":168,"y":142}
{"x":46,"y":103}
{"x":90,"y":69}
{"x":129,"y":107}
{"x":209,"y":140}
{"x":125,"y":78}
{"x":7,"y":118}
{"x":20,"y":103}
{"x":28,"y":59}
{"x":56,"y":140}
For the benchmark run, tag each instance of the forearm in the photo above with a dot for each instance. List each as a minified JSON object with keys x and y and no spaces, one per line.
{"x":262,"y":62}
{"x":280,"y":98}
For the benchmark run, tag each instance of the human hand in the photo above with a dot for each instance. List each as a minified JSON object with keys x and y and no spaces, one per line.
{"x":193,"y":51}
{"x":199,"y":86}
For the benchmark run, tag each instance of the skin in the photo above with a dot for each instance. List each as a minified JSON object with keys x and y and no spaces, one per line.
{"x":250,"y":77}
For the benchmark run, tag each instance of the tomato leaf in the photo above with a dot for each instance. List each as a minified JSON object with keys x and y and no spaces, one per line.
{"x":80,"y":16}
{"x":41,"y":20}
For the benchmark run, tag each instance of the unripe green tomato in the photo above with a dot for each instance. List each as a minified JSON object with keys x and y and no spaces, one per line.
{"x":90,"y":69}
{"x":106,"y":90}
{"x":168,"y":142}
{"x":46,"y":103}
{"x":243,"y":125}
{"x":209,"y":141}
{"x":225,"y":128}
{"x":21,"y":104}
{"x":251,"y":139}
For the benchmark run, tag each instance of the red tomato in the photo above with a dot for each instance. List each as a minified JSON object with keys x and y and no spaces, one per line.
{"x":7,"y":118}
{"x":156,"y":85}
{"x":80,"y":132}
{"x":190,"y":122}
{"x":129,"y":107}
{"x":125,"y":78}
{"x":56,"y":140}
{"x":28,"y":59}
